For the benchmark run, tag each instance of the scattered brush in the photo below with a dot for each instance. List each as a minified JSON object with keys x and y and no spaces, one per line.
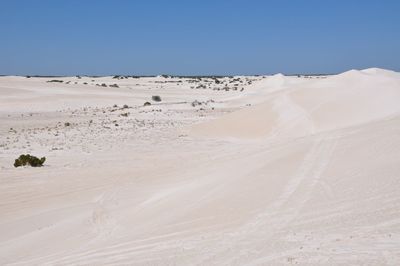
{"x":201,"y":86}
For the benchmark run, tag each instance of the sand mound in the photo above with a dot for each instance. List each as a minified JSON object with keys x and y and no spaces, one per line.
{"x":348,"y":99}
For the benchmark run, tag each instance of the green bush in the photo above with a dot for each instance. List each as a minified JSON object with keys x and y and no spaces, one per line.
{"x":26,"y":159}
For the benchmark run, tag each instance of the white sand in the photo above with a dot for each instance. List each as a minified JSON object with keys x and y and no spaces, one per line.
{"x":291,"y":170}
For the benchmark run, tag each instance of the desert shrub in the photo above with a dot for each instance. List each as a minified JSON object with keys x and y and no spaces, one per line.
{"x":201,"y":86}
{"x":84,"y":83}
{"x":156,"y":98}
{"x":55,"y":80}
{"x":114,"y":85}
{"x":125,"y":106}
{"x":146,"y":104}
{"x":103,"y":85}
{"x":67,"y":124}
{"x":195,"y":103}
{"x":26,"y":159}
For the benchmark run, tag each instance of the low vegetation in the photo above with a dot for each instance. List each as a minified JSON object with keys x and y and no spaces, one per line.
{"x":27,"y":159}
{"x":196,"y":103}
{"x":156,"y":98}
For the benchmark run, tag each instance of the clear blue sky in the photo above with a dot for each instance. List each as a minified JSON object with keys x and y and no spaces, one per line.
{"x":67,"y":37}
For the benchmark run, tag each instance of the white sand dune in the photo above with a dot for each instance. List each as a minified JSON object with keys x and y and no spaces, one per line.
{"x":304,"y":108}
{"x":308,"y":174}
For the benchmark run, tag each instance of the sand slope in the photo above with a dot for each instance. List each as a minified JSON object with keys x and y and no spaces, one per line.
{"x":308,"y":174}
{"x":303,"y":108}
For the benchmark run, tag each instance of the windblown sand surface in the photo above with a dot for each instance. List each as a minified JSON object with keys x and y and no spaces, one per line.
{"x":246,"y":171}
